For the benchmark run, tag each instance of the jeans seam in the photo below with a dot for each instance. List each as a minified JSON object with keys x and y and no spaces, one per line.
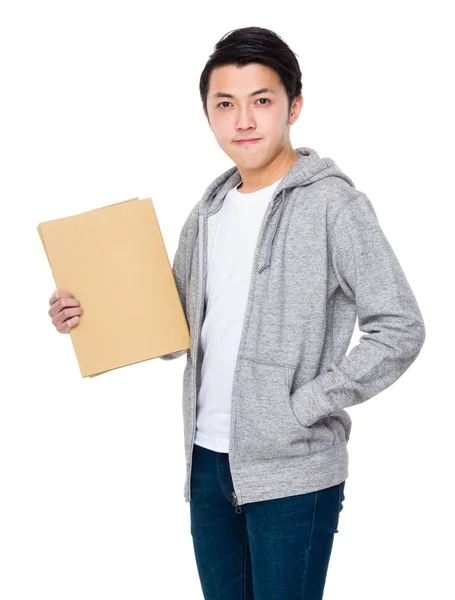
{"x":243,"y":569}
{"x":307,"y":553}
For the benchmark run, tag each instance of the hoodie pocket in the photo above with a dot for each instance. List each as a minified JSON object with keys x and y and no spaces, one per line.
{"x":265,"y":424}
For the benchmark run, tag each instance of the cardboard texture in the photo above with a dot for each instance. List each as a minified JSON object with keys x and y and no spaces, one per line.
{"x":114,"y":261}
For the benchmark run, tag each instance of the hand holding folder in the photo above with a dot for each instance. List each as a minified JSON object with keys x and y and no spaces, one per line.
{"x":65,"y":310}
{"x":114,"y":261}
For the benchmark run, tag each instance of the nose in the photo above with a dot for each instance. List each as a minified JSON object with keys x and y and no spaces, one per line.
{"x":245,"y":120}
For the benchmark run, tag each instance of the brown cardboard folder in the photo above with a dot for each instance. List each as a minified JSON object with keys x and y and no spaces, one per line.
{"x":114,"y":261}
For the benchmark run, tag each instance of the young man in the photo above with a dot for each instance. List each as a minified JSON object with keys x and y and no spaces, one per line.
{"x":273,"y":266}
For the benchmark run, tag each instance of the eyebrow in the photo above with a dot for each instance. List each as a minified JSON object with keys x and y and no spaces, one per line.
{"x":260,"y":91}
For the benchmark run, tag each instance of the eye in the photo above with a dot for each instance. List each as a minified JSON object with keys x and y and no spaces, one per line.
{"x":226,"y":102}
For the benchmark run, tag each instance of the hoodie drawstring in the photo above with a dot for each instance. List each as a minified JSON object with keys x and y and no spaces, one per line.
{"x":268,"y":253}
{"x":279,"y":205}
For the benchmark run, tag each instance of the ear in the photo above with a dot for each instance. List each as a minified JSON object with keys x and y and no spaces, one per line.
{"x":295,"y":109}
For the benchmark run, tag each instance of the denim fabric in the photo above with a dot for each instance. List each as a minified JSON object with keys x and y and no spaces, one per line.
{"x":275,"y":549}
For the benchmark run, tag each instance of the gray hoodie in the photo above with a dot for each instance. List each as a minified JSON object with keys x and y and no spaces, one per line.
{"x":321,"y":261}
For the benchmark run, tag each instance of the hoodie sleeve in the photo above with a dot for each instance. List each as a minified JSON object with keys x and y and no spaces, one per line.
{"x":368,"y":270}
{"x":179,"y":272}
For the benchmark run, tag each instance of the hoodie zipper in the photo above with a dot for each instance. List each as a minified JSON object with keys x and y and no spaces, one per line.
{"x":235,"y":503}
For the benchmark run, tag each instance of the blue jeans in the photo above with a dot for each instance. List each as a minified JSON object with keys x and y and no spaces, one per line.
{"x":276,"y":549}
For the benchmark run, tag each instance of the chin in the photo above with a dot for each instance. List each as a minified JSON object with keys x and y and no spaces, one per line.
{"x":250,"y":164}
{"x":248,"y":158}
{"x":250,"y":161}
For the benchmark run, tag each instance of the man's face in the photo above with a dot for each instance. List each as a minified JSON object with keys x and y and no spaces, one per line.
{"x":263,"y":115}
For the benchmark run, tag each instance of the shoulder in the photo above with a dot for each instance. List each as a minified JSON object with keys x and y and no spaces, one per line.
{"x":340,"y":198}
{"x":329,"y":196}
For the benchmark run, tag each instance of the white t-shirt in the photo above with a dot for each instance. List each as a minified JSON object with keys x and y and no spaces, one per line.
{"x":230,"y":263}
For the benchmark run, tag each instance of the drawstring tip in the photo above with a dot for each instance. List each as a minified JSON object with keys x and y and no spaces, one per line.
{"x":263,"y":267}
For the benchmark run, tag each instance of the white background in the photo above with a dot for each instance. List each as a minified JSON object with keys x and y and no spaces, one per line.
{"x":100,"y":103}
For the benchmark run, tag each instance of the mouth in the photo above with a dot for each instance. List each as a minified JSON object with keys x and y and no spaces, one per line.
{"x":247,"y":141}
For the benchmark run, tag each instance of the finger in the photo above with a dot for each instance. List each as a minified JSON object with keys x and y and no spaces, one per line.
{"x":61,"y":304}
{"x":59,"y":294}
{"x":65,"y":314}
{"x":68,"y":324}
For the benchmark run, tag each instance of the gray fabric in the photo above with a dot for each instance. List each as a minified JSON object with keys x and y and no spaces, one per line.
{"x":322,"y":260}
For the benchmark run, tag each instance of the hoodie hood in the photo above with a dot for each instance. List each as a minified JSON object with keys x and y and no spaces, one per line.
{"x":307,"y":169}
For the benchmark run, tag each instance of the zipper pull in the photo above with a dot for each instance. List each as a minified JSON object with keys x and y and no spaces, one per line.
{"x":235,"y":503}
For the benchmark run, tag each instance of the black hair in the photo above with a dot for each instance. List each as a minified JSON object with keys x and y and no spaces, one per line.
{"x":255,"y":44}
